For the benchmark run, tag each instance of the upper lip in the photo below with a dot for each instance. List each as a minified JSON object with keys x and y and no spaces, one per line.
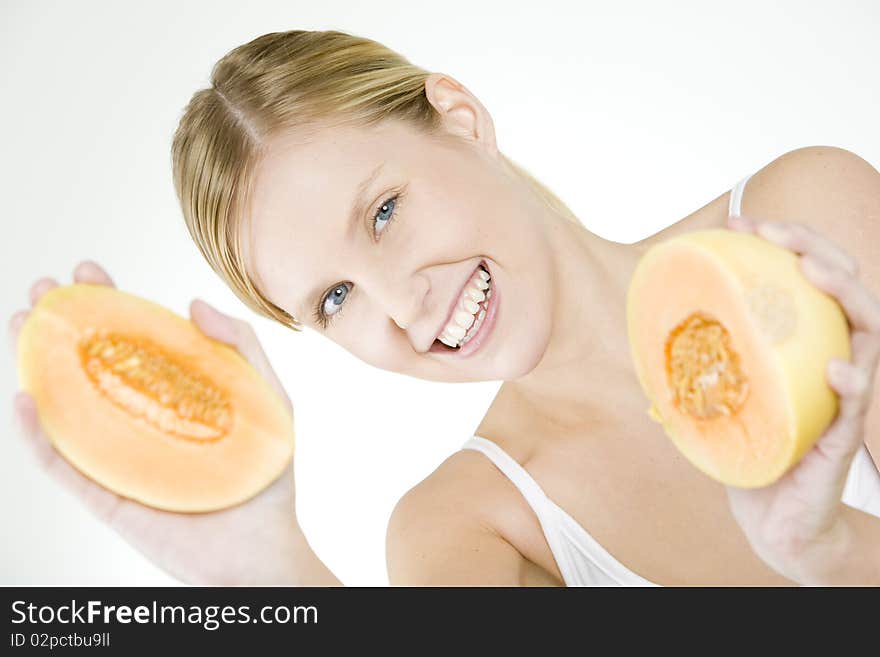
{"x":454,"y":303}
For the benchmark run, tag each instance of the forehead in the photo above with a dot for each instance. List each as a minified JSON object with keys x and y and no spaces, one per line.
{"x":300,"y":202}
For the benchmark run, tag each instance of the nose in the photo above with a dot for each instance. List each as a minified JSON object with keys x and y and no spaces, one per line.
{"x":406,"y":299}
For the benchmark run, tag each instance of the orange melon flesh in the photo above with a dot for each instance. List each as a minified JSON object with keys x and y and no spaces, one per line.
{"x":731,"y":342}
{"x":138,"y":399}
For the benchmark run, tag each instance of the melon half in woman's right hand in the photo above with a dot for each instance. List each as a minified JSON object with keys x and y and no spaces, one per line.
{"x":731,"y":343}
{"x":139,"y":400}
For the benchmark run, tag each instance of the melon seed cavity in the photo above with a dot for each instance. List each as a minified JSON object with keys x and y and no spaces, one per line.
{"x":145,"y":381}
{"x":702,"y":370}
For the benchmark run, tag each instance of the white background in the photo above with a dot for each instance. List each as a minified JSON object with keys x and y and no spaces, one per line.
{"x":635,"y":113}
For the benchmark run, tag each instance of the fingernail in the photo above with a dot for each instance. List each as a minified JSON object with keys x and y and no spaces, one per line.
{"x":742,"y":223}
{"x":19,"y":405}
{"x":15,"y":321}
{"x":19,"y":400}
{"x":812,"y":263}
{"x":772,"y":231}
{"x":206,"y":305}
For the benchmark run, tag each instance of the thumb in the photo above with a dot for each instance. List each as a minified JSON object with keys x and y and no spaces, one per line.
{"x":25,"y":415}
{"x":212,"y":322}
{"x":234,"y":332}
{"x":240,"y":335}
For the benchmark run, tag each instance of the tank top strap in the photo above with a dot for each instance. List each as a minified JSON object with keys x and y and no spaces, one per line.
{"x":534,"y":494}
{"x":582,"y":561}
{"x":862,"y":488}
{"x":734,"y":208}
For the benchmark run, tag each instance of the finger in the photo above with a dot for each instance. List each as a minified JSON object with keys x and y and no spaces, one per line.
{"x":853,"y":385}
{"x":741,"y":223}
{"x":40,"y":288}
{"x":837,"y":446}
{"x":97,"y":499}
{"x":241,"y":335}
{"x":89,"y":271}
{"x":860,"y":305}
{"x":803,"y":239}
{"x":866,"y":352}
{"x":15,"y":323}
{"x":216,"y":324}
{"x":843,"y":437}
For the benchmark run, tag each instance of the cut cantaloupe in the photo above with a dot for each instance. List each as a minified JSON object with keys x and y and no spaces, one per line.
{"x":138,"y":399}
{"x":731,"y":343}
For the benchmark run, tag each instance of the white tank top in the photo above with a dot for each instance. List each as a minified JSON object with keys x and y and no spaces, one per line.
{"x":580,"y":558}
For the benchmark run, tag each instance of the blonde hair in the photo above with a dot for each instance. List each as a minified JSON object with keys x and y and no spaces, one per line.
{"x":279,"y":81}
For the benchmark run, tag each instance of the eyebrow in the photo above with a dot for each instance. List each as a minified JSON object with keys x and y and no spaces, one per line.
{"x":357,"y":208}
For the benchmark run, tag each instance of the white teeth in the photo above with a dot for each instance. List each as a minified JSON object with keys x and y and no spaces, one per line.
{"x":469,"y":314}
{"x":476,"y":327}
{"x":455,"y":331}
{"x":463,"y":318}
{"x":449,"y":342}
{"x":475,"y":294}
{"x":473,"y":331}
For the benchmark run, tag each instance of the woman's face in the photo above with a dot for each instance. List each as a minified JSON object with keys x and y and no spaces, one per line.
{"x":388,"y":277}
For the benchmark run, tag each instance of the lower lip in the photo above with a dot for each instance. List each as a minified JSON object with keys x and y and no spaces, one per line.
{"x":485,"y":330}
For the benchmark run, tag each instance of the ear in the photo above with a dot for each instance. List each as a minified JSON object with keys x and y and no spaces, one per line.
{"x":463,"y":114}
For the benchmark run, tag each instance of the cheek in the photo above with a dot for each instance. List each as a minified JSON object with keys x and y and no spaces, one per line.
{"x":375,"y":345}
{"x":529,"y":297}
{"x":359,"y":344}
{"x":444,"y":228}
{"x":528,"y":328}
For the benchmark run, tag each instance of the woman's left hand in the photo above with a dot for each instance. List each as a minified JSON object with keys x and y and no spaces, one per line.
{"x":796,"y":525}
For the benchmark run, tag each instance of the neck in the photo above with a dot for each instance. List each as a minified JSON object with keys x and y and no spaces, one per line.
{"x":588,"y":351}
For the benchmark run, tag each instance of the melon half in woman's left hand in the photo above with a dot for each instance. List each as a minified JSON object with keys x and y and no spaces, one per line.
{"x":731,"y":344}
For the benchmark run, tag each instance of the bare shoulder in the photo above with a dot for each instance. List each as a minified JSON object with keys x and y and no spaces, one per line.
{"x":825,"y":186}
{"x":442,"y":531}
{"x":808,"y":184}
{"x":830,"y":189}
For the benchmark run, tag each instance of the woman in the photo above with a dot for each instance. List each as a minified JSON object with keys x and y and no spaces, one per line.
{"x":326,"y":178}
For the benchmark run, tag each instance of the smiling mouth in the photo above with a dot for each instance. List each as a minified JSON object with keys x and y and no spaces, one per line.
{"x":473,"y":300}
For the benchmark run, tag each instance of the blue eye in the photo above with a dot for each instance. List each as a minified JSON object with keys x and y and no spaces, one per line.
{"x":392,"y":203}
{"x":334,"y":300}
{"x":331,"y":303}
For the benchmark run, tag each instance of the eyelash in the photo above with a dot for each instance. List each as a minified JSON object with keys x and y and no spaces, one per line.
{"x":317,"y":313}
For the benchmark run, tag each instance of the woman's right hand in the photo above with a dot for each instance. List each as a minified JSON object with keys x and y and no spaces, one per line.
{"x":256,"y":542}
